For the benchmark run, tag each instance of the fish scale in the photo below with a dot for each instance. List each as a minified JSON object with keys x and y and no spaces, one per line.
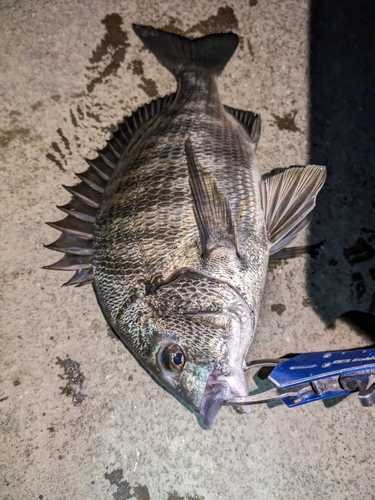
{"x":156,"y":222}
{"x":174,"y":226}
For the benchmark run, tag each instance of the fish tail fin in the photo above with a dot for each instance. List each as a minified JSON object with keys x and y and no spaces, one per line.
{"x":178,"y":53}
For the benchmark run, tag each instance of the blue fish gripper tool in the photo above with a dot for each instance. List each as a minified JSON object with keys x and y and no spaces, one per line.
{"x":315,"y":376}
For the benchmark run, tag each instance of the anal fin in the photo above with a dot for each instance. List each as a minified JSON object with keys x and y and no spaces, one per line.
{"x":211,"y":208}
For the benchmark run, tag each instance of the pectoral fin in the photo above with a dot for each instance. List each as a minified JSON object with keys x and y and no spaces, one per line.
{"x":292,"y":252}
{"x":287,"y":200}
{"x":211,"y":208}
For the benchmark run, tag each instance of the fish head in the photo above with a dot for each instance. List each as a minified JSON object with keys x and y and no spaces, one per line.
{"x":200,"y":360}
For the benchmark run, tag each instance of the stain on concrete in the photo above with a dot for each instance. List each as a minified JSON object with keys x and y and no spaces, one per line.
{"x":136,"y":67}
{"x":56,"y":97}
{"x":305,"y":302}
{"x":253,"y":3}
{"x":124,"y":490}
{"x":111,"y":50}
{"x":287,"y":121}
{"x":94,"y":116}
{"x":250,"y":48}
{"x":4,"y":399}
{"x":361,"y":251}
{"x":64,"y":139}
{"x":37,"y":105}
{"x":359,"y":284}
{"x":223,"y":21}
{"x":332,"y":262}
{"x":7,"y":136}
{"x":149,"y":87}
{"x":16,"y":382}
{"x":74,"y":376}
{"x":56,"y":148}
{"x":73,"y":118}
{"x":172,"y":27}
{"x":272,"y":266}
{"x":110,"y":129}
{"x":114,"y":477}
{"x":14,"y":113}
{"x":77,"y":95}
{"x":173,"y":495}
{"x":278,"y":308}
{"x":57,"y":162}
{"x":141,"y":492}
{"x":80,"y":112}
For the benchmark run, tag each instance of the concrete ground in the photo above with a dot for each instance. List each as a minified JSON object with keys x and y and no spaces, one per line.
{"x":80,"y":419}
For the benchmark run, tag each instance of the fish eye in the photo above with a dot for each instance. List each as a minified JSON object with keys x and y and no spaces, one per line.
{"x":173,"y":358}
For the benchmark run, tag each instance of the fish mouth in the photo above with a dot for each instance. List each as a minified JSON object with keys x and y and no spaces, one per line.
{"x":219,"y":389}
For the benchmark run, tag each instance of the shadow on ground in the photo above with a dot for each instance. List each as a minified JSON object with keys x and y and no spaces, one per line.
{"x":341,"y":279}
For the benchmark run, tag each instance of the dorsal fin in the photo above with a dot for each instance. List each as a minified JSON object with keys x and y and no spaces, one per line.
{"x":287,"y":200}
{"x":211,"y":208}
{"x":77,"y":228}
{"x":250,"y":121}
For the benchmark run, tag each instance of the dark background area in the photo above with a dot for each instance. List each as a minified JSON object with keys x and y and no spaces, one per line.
{"x":341,"y":278}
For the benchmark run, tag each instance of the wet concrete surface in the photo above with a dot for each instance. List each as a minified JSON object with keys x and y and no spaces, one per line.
{"x":80,"y":419}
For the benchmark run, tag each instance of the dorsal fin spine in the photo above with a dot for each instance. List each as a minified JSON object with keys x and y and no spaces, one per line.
{"x":77,"y":228}
{"x":77,"y":191}
{"x":107,"y":160}
{"x":113,"y":149}
{"x":91,"y":184}
{"x":102,"y":174}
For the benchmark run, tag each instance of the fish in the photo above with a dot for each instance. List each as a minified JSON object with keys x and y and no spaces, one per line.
{"x":174,"y":226}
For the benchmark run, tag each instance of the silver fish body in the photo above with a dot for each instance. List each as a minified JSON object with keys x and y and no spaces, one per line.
{"x":183,"y":232}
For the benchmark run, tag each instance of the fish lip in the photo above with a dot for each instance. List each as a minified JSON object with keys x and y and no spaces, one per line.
{"x":219,"y":389}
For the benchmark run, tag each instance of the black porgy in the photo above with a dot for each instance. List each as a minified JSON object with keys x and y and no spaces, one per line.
{"x":174,"y":226}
